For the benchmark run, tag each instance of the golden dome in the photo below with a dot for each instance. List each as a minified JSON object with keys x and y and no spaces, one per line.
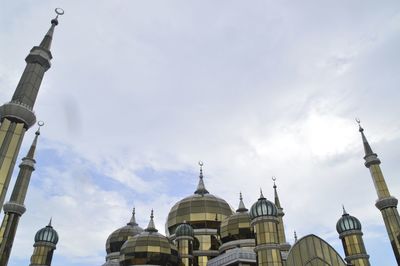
{"x":200,"y":210}
{"x":149,"y":247}
{"x":237,"y":226}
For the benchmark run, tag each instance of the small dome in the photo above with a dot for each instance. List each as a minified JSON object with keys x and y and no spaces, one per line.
{"x":47,"y":234}
{"x":347,"y":223}
{"x":237,"y":226}
{"x":119,"y":236}
{"x":149,"y":247}
{"x":184,"y":229}
{"x":263,"y":207}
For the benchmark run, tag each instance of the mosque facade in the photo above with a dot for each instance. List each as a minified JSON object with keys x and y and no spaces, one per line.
{"x":201,"y":229}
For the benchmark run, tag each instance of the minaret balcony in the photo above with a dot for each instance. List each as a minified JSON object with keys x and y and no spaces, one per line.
{"x":19,"y":112}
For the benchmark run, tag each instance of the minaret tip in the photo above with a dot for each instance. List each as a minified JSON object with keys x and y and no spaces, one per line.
{"x":49,"y":225}
{"x":359,"y":125}
{"x":295,"y":236}
{"x":46,"y":42}
{"x":367,"y":148}
{"x":277,"y":201}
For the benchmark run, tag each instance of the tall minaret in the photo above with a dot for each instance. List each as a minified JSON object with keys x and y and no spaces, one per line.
{"x":16,"y":117}
{"x":386,"y":203}
{"x":284,"y":245}
{"x":15,"y":207}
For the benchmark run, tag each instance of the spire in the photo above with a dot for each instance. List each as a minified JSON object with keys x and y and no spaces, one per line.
{"x":241,"y":208}
{"x":46,"y":42}
{"x":367,"y":147}
{"x":49,"y":225}
{"x":344,"y":211}
{"x":370,"y":157}
{"x":32,"y":149}
{"x":261,"y":194}
{"x":201,"y":189}
{"x":277,"y":202}
{"x":295,"y":236}
{"x":151,"y":227}
{"x":133,"y":219}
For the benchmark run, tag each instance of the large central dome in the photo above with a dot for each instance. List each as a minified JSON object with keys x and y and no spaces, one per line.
{"x":201,"y":210}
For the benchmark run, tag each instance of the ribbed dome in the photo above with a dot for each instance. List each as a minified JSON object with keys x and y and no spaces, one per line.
{"x":263,"y":207}
{"x":119,"y":236}
{"x":201,"y":210}
{"x":149,"y":247}
{"x":184,"y":229}
{"x":237,"y":226}
{"x":347,"y":223}
{"x":47,"y":234}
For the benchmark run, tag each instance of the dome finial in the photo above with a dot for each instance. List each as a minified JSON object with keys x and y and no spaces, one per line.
{"x":241,"y":208}
{"x":274,"y":179}
{"x":295,"y":236}
{"x":151,"y":227}
{"x":133,"y":218}
{"x":201,"y":188}
{"x":344,"y":210}
{"x":261,"y":194}
{"x":49,"y":225}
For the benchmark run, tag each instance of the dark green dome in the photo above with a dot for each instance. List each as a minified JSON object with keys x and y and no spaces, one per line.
{"x":263,"y":207}
{"x":184,"y":229}
{"x":347,"y":223}
{"x":47,"y":234}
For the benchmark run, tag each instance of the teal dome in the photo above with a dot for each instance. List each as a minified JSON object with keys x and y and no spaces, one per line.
{"x":263,"y":207}
{"x":47,"y":234}
{"x":347,"y":223}
{"x":184,"y":230}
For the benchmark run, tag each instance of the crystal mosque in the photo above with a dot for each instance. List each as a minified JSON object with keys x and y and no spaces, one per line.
{"x":201,"y":229}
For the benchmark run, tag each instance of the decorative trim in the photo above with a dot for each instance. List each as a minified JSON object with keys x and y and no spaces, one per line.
{"x":264,"y":219}
{"x":266,"y":246}
{"x":388,"y":202}
{"x":18,"y":111}
{"x":14,"y":207}
{"x":349,"y":233}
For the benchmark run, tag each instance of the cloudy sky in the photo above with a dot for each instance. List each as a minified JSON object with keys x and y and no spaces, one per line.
{"x":140,"y":91}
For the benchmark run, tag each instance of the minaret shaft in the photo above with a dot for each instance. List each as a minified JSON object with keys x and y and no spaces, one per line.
{"x":15,"y":207}
{"x":379,"y":181}
{"x":11,"y":135}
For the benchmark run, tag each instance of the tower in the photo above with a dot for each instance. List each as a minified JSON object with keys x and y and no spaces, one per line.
{"x":17,"y":116}
{"x":349,"y":229}
{"x":15,"y":207}
{"x":184,"y":237}
{"x":264,"y":219}
{"x":386,"y":203}
{"x":45,"y":243}
{"x":284,"y":246}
